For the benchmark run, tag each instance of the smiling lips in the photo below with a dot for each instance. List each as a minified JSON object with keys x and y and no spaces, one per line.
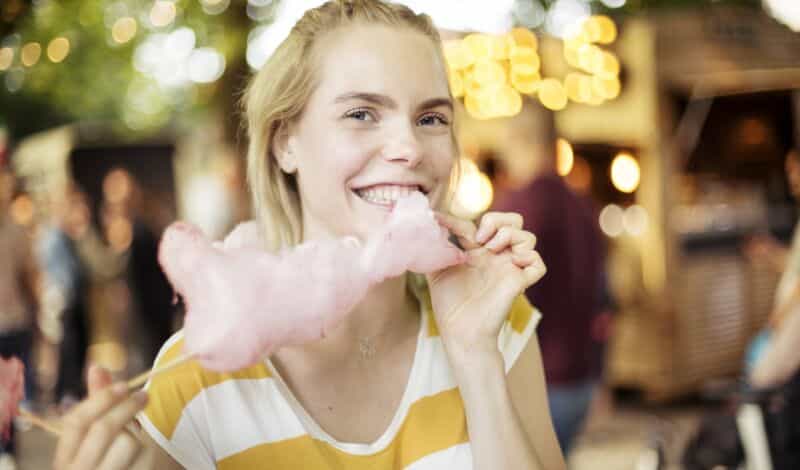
{"x":387,"y":194}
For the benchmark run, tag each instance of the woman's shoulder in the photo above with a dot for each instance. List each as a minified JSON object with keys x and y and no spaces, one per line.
{"x":172,"y":391}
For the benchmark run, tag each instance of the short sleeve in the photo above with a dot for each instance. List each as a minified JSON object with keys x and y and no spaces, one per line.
{"x":168,"y":418}
{"x":517,"y":330}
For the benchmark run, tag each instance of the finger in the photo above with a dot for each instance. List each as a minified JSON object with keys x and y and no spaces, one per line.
{"x":122,"y":453}
{"x":518,"y":240}
{"x":463,"y":229}
{"x":97,"y":378}
{"x":106,"y":430}
{"x":491,"y":222}
{"x":524,"y":259}
{"x":535,"y":271}
{"x":76,"y":423}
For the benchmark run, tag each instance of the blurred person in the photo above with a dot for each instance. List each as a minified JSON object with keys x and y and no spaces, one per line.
{"x":786,"y":304}
{"x":571,"y":245}
{"x":18,"y":295}
{"x":771,"y":379}
{"x":66,"y":282}
{"x":151,"y":310}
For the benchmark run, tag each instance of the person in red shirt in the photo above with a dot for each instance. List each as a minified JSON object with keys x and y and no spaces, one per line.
{"x":570,"y":296}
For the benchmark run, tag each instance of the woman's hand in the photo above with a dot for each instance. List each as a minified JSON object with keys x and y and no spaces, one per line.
{"x":94,"y":433}
{"x":471,"y":301}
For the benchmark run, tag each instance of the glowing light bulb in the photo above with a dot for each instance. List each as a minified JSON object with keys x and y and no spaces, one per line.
{"x":489,"y":72}
{"x":611,"y":220}
{"x":625,"y":173}
{"x":524,"y":81}
{"x":163,"y":13}
{"x":58,"y":49}
{"x":523,"y":37}
{"x":479,"y":45}
{"x":458,"y":55}
{"x":6,"y":58}
{"x":124,"y":30}
{"x":30,"y":54}
{"x":456,"y":83}
{"x":565,"y":158}
{"x":608,"y":30}
{"x":552,"y":94}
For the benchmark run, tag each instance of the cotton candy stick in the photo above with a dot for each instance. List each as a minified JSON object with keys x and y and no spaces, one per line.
{"x":140,"y":379}
{"x":243,"y":302}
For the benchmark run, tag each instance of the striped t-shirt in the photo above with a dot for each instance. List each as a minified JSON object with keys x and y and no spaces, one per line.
{"x":250,"y":419}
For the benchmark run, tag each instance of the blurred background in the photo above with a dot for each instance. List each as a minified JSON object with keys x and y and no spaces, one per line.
{"x":647,"y":142}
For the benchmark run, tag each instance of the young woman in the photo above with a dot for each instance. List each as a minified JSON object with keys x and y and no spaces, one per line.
{"x":352,"y":111}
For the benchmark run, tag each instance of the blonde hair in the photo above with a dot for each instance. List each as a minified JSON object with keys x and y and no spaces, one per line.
{"x":278,"y":93}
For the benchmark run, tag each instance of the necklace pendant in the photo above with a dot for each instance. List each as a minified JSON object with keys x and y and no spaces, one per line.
{"x":366,"y":348}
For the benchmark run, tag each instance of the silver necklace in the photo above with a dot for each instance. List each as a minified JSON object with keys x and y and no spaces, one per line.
{"x":366,"y":348}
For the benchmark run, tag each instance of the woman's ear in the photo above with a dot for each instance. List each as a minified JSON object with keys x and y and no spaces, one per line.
{"x":282,"y":149}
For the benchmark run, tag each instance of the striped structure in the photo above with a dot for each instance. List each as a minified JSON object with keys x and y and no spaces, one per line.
{"x":250,"y":419}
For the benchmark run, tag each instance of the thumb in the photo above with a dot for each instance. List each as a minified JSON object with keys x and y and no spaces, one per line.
{"x":98,"y":378}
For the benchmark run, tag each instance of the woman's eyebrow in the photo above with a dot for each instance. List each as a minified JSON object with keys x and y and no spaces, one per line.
{"x":388,"y":102}
{"x":435,"y":103}
{"x":374,"y":98}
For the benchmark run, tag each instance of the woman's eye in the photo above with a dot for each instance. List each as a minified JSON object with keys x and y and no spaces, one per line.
{"x":360,"y":115}
{"x":433,"y":120}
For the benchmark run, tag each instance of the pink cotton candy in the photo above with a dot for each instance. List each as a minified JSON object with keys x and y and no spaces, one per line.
{"x":243,"y":302}
{"x":12,"y":390}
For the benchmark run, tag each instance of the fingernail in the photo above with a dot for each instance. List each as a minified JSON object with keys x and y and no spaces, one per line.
{"x":480,"y":235}
{"x":120,"y":388}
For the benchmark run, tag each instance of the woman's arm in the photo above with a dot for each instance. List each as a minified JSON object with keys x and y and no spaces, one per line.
{"x":526,"y":382}
{"x":508,"y":417}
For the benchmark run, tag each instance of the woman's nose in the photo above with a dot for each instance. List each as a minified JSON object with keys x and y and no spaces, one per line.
{"x":403,"y":147}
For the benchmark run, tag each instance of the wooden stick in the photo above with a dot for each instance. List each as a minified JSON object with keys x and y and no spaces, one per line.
{"x":41,"y":422}
{"x":140,"y":379}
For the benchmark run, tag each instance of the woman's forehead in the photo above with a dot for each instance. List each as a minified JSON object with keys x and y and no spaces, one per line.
{"x":381,"y":59}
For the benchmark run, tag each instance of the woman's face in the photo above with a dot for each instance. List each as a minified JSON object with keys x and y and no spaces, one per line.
{"x":378,"y":125}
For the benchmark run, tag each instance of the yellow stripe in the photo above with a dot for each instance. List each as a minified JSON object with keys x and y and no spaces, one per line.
{"x":171,"y":391}
{"x":433,"y":424}
{"x":520,"y":314}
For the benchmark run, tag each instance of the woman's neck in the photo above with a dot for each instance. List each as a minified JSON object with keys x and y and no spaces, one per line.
{"x":386,"y":316}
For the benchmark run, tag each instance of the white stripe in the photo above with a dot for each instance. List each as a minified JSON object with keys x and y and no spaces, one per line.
{"x":439,"y":376}
{"x":242,"y":414}
{"x":457,"y":457}
{"x":176,"y":448}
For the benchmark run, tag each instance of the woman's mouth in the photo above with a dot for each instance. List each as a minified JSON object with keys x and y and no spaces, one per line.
{"x":387,"y":194}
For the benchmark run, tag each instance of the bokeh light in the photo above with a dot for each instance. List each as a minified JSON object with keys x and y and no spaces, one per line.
{"x":124,"y":30}
{"x":6,"y":58}
{"x":31,"y":52}
{"x":625,"y":173}
{"x":565,"y":158}
{"x":58,"y":49}
{"x":552,"y":94}
{"x":611,"y":220}
{"x":163,"y":13}
{"x":635,"y":220}
{"x":474,"y":192}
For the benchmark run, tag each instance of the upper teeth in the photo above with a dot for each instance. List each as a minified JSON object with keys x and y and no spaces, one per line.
{"x":386,"y":193}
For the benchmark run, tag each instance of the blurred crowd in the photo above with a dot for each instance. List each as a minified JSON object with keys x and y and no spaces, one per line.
{"x":78,"y":287}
